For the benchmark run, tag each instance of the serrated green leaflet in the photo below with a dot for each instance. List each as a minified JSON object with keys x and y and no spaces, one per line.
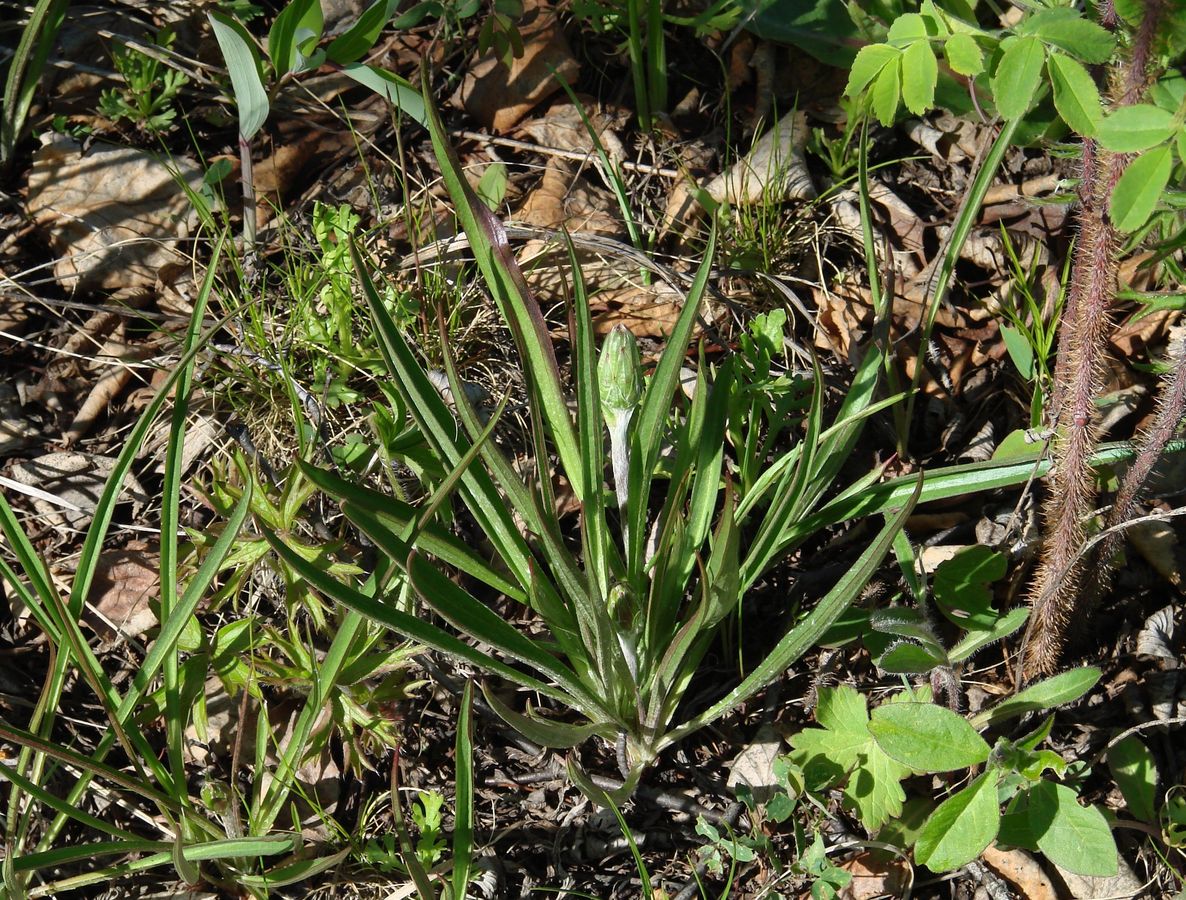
{"x":1015,"y":82}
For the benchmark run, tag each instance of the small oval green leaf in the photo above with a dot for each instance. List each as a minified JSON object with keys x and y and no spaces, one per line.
{"x":926,"y":737}
{"x":1055,"y":691}
{"x":1078,"y":837}
{"x":1135,"y":773}
{"x":961,"y":828}
{"x":1131,"y":129}
{"x":920,"y":72}
{"x":867,"y":66}
{"x":1140,"y":187}
{"x":1076,"y":96}
{"x":886,"y":93}
{"x":964,"y":54}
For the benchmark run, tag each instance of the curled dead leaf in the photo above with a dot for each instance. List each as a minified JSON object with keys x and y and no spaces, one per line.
{"x":774,"y":170}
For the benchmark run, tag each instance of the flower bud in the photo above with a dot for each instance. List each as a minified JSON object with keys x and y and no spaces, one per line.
{"x":619,"y":372}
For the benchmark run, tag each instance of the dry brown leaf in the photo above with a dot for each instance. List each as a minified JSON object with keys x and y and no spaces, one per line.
{"x":949,"y":139}
{"x":299,"y":151}
{"x":97,"y":401}
{"x":647,"y":310}
{"x":76,"y":480}
{"x":1157,"y":543}
{"x":561,"y":200}
{"x":842,"y":314}
{"x":754,"y":766}
{"x":125,"y":585}
{"x":562,"y":128}
{"x":499,"y":96}
{"x":1022,"y":871}
{"x":1156,"y":637}
{"x":1123,"y":885}
{"x":874,"y":877}
{"x":773,"y":171}
{"x":1132,"y":339}
{"x":114,"y":213}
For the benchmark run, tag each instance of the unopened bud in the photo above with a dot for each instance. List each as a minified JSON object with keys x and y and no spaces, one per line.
{"x":619,"y":372}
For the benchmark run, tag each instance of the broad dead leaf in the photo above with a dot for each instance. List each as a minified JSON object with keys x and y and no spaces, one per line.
{"x":564,"y":201}
{"x":1022,"y":871}
{"x":500,"y":96}
{"x":562,"y":128}
{"x":1157,"y":543}
{"x":1123,"y":885}
{"x":105,"y":390}
{"x":66,"y":486}
{"x":647,"y":310}
{"x":754,"y":766}
{"x":1156,"y":637}
{"x":874,"y":877}
{"x":114,"y":213}
{"x":126,"y":583}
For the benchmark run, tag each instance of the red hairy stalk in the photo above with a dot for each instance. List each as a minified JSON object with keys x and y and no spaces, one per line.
{"x":1058,"y":596}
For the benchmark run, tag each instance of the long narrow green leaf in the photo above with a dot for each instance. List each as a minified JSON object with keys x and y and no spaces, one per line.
{"x":790,"y":496}
{"x":801,"y":638}
{"x":765,"y":483}
{"x":291,"y":873}
{"x":63,"y":754}
{"x":596,"y":641}
{"x":295,"y":749}
{"x":395,"y":515}
{"x":93,"y":543}
{"x":545,"y":732}
{"x":65,"y":856}
{"x":172,"y":626}
{"x":176,"y":717}
{"x":647,"y":440}
{"x":537,"y":513}
{"x":442,"y":430}
{"x":401,"y":623}
{"x":519,"y":308}
{"x":13,"y":774}
{"x":596,"y":537}
{"x":463,"y":799}
{"x":969,"y":214}
{"x":471,"y":617}
{"x":38,"y":36}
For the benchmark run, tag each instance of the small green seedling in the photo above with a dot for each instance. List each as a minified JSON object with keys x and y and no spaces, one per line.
{"x":869,"y":754}
{"x":149,"y":89}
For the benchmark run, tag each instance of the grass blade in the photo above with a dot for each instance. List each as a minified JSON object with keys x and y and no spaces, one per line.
{"x":512,"y":296}
{"x":401,"y":623}
{"x":463,"y":801}
{"x":800,"y":638}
